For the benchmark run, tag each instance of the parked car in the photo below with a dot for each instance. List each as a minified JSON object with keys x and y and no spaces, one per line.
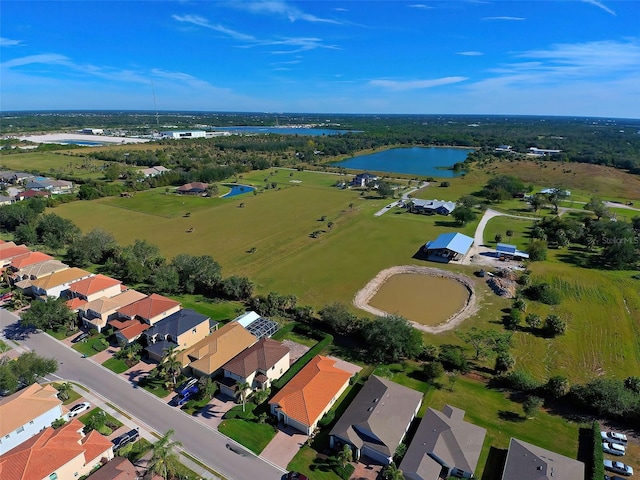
{"x":612,"y":477}
{"x":125,"y":439}
{"x":81,"y":337}
{"x":79,"y":408}
{"x":613,"y":448}
{"x":296,"y":476}
{"x":187,"y":394}
{"x":618,"y":467}
{"x":614,"y":437}
{"x":183,"y":388}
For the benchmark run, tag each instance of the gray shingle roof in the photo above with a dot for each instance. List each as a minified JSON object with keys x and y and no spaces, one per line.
{"x":379,"y":415}
{"x":529,"y":462}
{"x":176,"y":324}
{"x":446,"y":438}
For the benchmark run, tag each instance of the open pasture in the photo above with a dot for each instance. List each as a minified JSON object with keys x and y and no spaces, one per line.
{"x":58,"y":163}
{"x":602,"y":333}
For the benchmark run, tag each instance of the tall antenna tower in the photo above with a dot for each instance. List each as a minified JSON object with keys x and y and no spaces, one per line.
{"x":155,"y":106}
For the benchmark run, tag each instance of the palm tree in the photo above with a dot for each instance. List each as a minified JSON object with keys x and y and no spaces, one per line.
{"x":171,"y":366}
{"x":164,"y":460}
{"x":345,"y":455}
{"x":392,"y":473}
{"x":242,"y":392}
{"x":63,"y":391}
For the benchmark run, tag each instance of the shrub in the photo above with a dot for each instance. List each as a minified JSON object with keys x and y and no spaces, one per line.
{"x":452,"y":357}
{"x":432,"y":371}
{"x":513,"y":320}
{"x":99,"y":345}
{"x":533,"y":320}
{"x":537,"y":250}
{"x":521,"y":380}
{"x":557,"y":387}
{"x":554,"y":325}
{"x":327,"y":418}
{"x":504,"y":362}
{"x":344,"y":472}
{"x":543,"y":292}
{"x":597,"y":467}
{"x":531,"y":405}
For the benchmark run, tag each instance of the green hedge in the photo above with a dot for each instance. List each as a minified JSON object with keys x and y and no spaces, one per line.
{"x":346,"y":472}
{"x":302,"y":361}
{"x":597,"y":468}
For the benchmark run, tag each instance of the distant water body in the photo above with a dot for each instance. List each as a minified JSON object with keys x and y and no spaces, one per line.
{"x":237,"y":189}
{"x":427,"y":161}
{"x":286,"y":130}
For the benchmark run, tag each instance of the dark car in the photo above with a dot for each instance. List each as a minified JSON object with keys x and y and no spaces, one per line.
{"x":184,"y":387}
{"x":296,"y":476}
{"x":81,"y":337}
{"x":186,"y":395}
{"x":125,"y":439}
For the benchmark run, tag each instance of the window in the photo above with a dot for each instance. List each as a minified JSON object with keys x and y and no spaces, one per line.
{"x":194,"y":330}
{"x":53,"y":476}
{"x":6,"y":436}
{"x":20,"y":430}
{"x":31,"y":422}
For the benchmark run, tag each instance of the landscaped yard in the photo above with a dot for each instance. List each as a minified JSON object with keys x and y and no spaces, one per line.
{"x":116,"y":365}
{"x":92,"y":345}
{"x":500,"y":225}
{"x":110,"y":421}
{"x":219,"y":311}
{"x":254,"y":436}
{"x":73,"y":395}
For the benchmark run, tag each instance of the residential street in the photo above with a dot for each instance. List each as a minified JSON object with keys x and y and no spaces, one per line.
{"x":200,"y":441}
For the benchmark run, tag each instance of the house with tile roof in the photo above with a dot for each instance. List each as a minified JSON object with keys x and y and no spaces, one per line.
{"x":530,"y":462}
{"x":444,"y":445}
{"x":150,"y":309}
{"x":92,"y":288}
{"x":26,"y":259}
{"x":9,"y":250}
{"x":119,"y":468}
{"x":128,"y":331}
{"x":303,"y":401}
{"x":27,"y":412}
{"x":179,"y":330}
{"x":61,"y":454}
{"x":97,"y":313}
{"x":193,"y":188}
{"x":24,"y":276}
{"x":258,"y":366}
{"x":207,"y":356}
{"x":27,"y":194}
{"x":55,"y":284}
{"x":377,"y":420}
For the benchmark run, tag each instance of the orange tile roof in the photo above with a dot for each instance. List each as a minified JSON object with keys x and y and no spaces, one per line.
{"x":60,"y":278}
{"x":91,"y":285}
{"x":23,"y":406}
{"x":29,"y":258}
{"x":76,"y":303}
{"x":308,"y":393}
{"x":14,"y":251}
{"x":47,"y":451}
{"x":148,"y":307}
{"x":130,"y":328}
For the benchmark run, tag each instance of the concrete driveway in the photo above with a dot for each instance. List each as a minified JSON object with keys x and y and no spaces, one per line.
{"x":284,"y":446}
{"x":211,"y":415}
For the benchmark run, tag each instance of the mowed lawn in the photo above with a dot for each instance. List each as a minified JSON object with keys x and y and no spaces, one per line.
{"x":499,"y":225}
{"x":504,"y":418}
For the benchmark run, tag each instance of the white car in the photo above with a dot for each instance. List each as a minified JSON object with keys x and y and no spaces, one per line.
{"x":618,"y":467}
{"x":79,"y":408}
{"x":613,"y":448}
{"x":614,"y":437}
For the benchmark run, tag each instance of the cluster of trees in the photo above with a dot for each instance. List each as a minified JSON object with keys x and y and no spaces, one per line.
{"x":607,"y":243}
{"x":385,"y":339}
{"x":24,"y":370}
{"x":50,"y":314}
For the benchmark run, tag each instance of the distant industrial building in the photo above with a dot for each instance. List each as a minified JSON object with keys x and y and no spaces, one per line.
{"x":179,"y":134}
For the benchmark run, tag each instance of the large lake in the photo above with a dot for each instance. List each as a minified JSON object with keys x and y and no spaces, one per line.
{"x":285,"y":130}
{"x":429,"y":161}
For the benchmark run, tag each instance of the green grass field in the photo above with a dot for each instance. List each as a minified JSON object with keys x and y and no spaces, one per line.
{"x":252,"y":435}
{"x":500,"y":225}
{"x":116,"y":365}
{"x":334,"y":266}
{"x":58,"y":163}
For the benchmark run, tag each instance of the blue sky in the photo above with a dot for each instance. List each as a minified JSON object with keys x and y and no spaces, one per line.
{"x":355,"y":56}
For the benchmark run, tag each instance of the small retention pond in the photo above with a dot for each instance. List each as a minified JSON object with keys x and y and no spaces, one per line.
{"x":424,"y":299}
{"x":237,"y":189}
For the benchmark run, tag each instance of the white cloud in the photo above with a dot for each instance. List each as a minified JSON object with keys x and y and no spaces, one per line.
{"x":420,"y":5}
{"x":44,"y":58}
{"x":7,"y":42}
{"x":600,"y":5}
{"x":203,"y":22}
{"x":299,"y":44}
{"x":415,"y":84}
{"x":470,"y":53}
{"x":280,"y":8}
{"x":514,"y":19}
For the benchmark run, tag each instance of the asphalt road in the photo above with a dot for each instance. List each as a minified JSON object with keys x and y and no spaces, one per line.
{"x":204,"y":443}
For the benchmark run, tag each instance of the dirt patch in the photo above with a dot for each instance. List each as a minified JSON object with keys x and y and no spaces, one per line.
{"x":362,"y":298}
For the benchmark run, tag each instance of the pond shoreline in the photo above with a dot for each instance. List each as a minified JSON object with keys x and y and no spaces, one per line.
{"x":362,"y":298}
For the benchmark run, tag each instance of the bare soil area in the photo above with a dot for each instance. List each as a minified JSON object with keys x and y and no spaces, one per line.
{"x":362,"y":298}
